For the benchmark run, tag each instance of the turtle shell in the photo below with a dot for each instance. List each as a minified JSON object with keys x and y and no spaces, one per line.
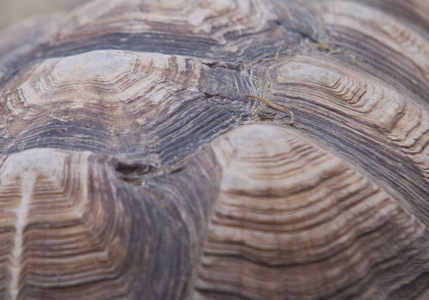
{"x":222,"y":149}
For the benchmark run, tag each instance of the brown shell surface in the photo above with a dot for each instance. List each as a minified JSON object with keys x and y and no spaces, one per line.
{"x":134,"y":164}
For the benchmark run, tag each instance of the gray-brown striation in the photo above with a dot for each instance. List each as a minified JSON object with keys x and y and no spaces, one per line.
{"x":225,"y":149}
{"x":294,"y":221}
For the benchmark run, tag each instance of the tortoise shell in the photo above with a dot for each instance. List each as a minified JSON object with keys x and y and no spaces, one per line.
{"x":222,"y":149}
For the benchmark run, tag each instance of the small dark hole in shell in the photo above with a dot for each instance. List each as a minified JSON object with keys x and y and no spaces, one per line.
{"x":133,"y":172}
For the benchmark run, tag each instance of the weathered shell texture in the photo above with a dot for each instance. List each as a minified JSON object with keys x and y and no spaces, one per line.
{"x":133,"y":166}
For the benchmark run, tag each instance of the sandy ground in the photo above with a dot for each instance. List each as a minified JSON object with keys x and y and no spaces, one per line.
{"x":12,"y":11}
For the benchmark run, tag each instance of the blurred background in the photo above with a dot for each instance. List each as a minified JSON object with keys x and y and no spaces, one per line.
{"x":12,"y":11}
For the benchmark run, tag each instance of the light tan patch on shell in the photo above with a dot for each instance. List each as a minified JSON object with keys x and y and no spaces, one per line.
{"x":57,"y":230}
{"x":363,"y":99}
{"x":382,"y":28}
{"x":214,"y":18}
{"x":292,"y":215}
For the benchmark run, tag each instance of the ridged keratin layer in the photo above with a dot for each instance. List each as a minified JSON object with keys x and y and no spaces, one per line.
{"x":242,"y":149}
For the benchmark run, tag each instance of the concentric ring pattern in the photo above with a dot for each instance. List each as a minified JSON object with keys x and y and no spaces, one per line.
{"x":222,"y":149}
